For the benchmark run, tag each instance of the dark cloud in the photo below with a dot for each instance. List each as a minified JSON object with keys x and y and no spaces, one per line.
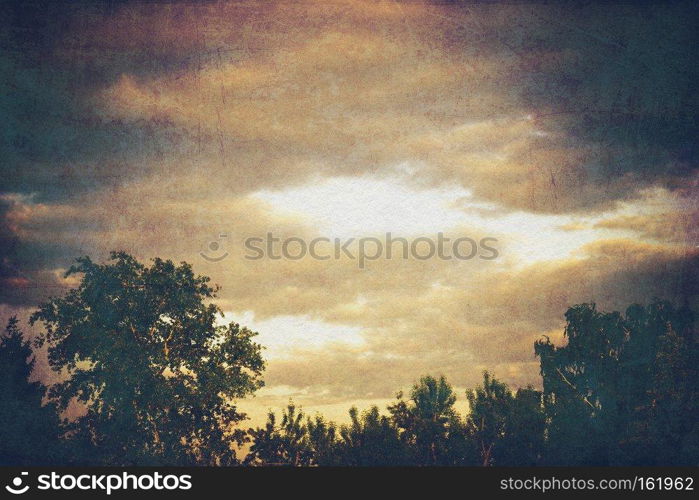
{"x":27,"y":267}
{"x":620,"y":78}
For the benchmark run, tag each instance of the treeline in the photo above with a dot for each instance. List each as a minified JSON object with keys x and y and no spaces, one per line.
{"x":502,"y":427}
{"x":138,"y":350}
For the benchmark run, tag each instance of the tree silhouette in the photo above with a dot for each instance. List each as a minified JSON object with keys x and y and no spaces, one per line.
{"x":145,"y":357}
{"x":322,"y":437}
{"x":29,"y":430}
{"x":284,"y":444}
{"x":507,"y":427}
{"x":371,"y":439}
{"x":139,"y":347}
{"x":672,"y":402}
{"x":428,"y":423}
{"x":624,"y":389}
{"x":524,"y":441}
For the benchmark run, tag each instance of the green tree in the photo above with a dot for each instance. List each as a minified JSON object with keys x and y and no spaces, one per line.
{"x":525,"y":437}
{"x":298,"y":441}
{"x":671,"y":409}
{"x":371,"y":439}
{"x":284,"y":444}
{"x":29,"y":430}
{"x":323,"y":441}
{"x":490,"y":407}
{"x":144,"y":355}
{"x":429,"y":424}
{"x":580,"y":386}
{"x":507,"y":427}
{"x":623,"y":390}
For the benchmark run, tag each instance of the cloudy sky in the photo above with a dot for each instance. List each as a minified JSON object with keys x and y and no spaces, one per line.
{"x":568,"y":134}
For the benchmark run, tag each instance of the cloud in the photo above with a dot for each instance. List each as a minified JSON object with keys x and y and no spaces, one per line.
{"x":567,"y":133}
{"x":490,"y":322}
{"x":673,"y":227}
{"x":522,"y":113}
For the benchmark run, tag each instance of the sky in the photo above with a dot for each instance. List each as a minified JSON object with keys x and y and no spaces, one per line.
{"x":567,"y":134}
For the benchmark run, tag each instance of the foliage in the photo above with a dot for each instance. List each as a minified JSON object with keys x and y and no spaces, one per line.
{"x":370,"y":439}
{"x":283,"y":444}
{"x":29,"y":430}
{"x":507,"y":427}
{"x":624,"y":388}
{"x":143,"y":354}
{"x":139,"y":348}
{"x":428,"y":423}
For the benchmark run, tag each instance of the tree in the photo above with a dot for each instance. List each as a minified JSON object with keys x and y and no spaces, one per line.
{"x":672,"y":406}
{"x":428,"y":422}
{"x":371,"y":439}
{"x":144,"y":355}
{"x":507,"y":427}
{"x":524,"y":440}
{"x":284,"y":444}
{"x":624,"y":388}
{"x":580,"y":386}
{"x":322,"y":438}
{"x":29,"y":430}
{"x":490,"y":410}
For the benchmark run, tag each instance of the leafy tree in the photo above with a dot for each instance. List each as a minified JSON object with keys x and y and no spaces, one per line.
{"x":624,"y":388}
{"x":580,"y":385}
{"x":525,"y":436}
{"x":672,"y":404}
{"x":490,"y":407}
{"x":29,"y":430}
{"x":284,"y":444}
{"x":371,"y":439}
{"x":145,"y":357}
{"x":323,"y":441}
{"x":428,"y":422}
{"x":507,"y":427}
